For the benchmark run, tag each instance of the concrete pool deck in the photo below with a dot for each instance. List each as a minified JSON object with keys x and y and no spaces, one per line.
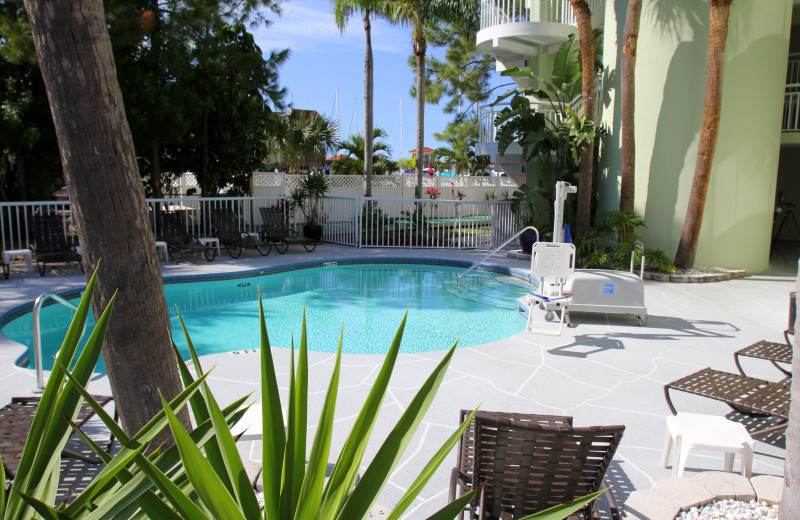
{"x":605,"y":370}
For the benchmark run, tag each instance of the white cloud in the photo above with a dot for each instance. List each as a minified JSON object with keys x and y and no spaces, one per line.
{"x":309,"y":26}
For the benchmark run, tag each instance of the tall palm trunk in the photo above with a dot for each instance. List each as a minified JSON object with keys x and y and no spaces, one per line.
{"x":96,"y":147}
{"x":629,"y":41}
{"x":584,"y":18}
{"x":717,"y":36}
{"x":420,"y":46}
{"x":790,"y":503}
{"x":368,"y":106}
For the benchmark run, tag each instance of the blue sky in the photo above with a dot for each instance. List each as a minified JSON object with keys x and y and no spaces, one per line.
{"x":323,"y":58}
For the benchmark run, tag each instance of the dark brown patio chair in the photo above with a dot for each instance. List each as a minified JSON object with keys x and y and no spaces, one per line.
{"x":174,"y":232}
{"x":746,"y":395}
{"x":278,"y":234}
{"x":525,"y":463}
{"x":15,"y":422}
{"x":4,"y":265}
{"x":231,"y":237}
{"x":50,"y":243}
{"x":773,"y":352}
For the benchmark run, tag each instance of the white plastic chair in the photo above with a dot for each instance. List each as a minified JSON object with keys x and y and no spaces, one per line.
{"x":552,"y":264}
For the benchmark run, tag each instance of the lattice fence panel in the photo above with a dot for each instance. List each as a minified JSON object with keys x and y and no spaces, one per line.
{"x":268,"y":179}
{"x":346,"y":181}
{"x":385,"y":181}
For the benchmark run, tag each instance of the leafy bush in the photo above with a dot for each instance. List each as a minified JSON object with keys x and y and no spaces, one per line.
{"x":608,"y":244}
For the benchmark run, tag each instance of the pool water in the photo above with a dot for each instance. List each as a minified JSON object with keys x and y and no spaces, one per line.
{"x":368,"y":300}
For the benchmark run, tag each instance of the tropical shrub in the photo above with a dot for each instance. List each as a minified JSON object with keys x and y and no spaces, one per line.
{"x":307,"y":197}
{"x":608,"y":244}
{"x":202,"y":476}
{"x":551,"y":129}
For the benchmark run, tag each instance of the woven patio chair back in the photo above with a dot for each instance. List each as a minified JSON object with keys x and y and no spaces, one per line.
{"x":524,"y":468}
{"x":274,"y":224}
{"x":173,"y":228}
{"x":226,"y":222}
{"x":50,"y":238}
{"x":465,"y":464}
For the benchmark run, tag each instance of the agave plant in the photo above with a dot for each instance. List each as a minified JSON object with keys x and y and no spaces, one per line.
{"x":202,"y":476}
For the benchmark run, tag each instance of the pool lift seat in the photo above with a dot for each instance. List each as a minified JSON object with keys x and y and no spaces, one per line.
{"x":552,"y":264}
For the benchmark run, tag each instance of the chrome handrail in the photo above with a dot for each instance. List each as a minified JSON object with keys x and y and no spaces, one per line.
{"x":37,"y":335}
{"x":498,"y":248}
{"x":633,"y":256}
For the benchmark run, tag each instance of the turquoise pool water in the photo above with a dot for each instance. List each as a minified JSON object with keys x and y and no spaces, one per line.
{"x":368,"y":300}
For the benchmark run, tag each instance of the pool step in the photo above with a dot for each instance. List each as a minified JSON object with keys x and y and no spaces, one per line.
{"x":487,"y":290}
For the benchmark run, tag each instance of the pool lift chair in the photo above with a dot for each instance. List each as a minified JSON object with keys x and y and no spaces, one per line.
{"x":552,"y":264}
{"x":605,"y":291}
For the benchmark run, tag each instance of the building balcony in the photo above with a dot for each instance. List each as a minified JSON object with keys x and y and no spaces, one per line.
{"x":511,"y":30}
{"x":791,"y":98}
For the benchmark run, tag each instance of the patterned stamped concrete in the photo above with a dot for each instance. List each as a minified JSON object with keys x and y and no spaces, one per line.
{"x":605,"y":370}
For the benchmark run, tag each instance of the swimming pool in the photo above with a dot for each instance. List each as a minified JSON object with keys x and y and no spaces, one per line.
{"x":367,"y":299}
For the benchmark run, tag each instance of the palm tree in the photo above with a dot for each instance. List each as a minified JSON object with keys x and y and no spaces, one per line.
{"x":355,"y":150}
{"x":342,"y":10}
{"x":304,"y":138}
{"x":583,"y":15}
{"x":717,"y":36}
{"x":418,"y":14}
{"x":628,"y":59}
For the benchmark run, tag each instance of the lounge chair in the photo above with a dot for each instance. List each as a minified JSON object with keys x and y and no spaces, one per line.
{"x":174,"y":232}
{"x":525,"y":463}
{"x":15,"y":422}
{"x":773,"y":352}
{"x":231,"y":237}
{"x":50,"y":243}
{"x":276,"y":233}
{"x":4,"y":265}
{"x":746,"y":395}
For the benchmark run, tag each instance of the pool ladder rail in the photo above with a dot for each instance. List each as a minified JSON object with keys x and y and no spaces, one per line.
{"x":37,"y":335}
{"x":496,"y":249}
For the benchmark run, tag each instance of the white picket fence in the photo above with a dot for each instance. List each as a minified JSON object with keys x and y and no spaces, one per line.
{"x":350,"y":221}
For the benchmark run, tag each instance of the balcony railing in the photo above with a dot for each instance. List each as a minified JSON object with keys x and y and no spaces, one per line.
{"x":496,"y":12}
{"x":791,"y":98}
{"x":487,"y":131}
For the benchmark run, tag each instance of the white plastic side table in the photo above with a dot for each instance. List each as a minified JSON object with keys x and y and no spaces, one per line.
{"x":210,"y":241}
{"x":688,"y":431}
{"x":250,"y":427}
{"x":162,"y":250}
{"x":10,"y":254}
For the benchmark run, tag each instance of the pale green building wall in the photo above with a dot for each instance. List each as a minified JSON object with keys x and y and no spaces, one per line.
{"x":670,"y":89}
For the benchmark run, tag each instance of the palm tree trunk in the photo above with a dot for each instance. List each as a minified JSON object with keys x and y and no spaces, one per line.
{"x":629,"y":41}
{"x":420,"y":46}
{"x":96,"y":146}
{"x":717,"y":36}
{"x":583,"y":17}
{"x":368,"y":106}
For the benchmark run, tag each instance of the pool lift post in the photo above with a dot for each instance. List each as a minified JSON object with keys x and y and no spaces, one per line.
{"x":606,"y":291}
{"x":563,"y":189}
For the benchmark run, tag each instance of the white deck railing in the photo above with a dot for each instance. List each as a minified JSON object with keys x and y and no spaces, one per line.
{"x":351,"y":221}
{"x":791,"y":98}
{"x":487,"y":131}
{"x":497,"y":12}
